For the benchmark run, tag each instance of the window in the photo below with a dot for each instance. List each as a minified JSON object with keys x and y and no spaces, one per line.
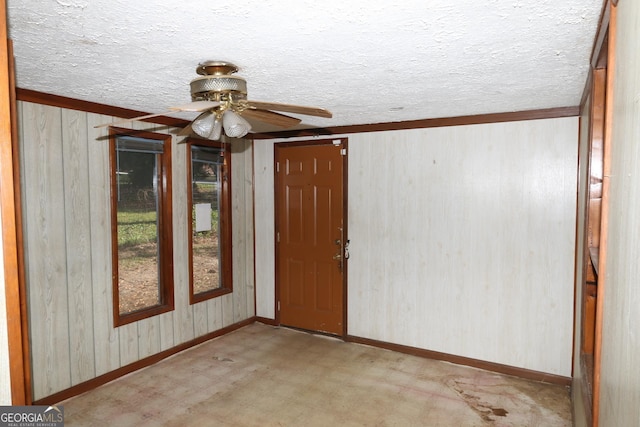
{"x":141,"y":224}
{"x":210,"y":225}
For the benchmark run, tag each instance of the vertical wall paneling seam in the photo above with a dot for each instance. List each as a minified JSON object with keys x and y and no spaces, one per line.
{"x":250,"y":297}
{"x":90,"y":243}
{"x":66,"y":239}
{"x":253,"y":223}
{"x":604,"y":214}
{"x":90,"y":239}
{"x":65,"y":233}
{"x":245,"y":225}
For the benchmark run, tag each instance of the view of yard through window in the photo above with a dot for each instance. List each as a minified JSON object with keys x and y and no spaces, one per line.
{"x":138,"y":248}
{"x":139,"y":234}
{"x":205,"y":192}
{"x":139,"y":166}
{"x":137,"y":252}
{"x":205,"y":260}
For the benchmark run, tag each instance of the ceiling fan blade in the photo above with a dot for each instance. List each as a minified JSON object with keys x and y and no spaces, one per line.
{"x":270,"y":117}
{"x":133,"y":119}
{"x":196,"y":106}
{"x":186,"y":131}
{"x":288,"y":108}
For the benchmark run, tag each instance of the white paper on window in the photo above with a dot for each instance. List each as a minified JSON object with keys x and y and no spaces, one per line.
{"x":203,"y":217}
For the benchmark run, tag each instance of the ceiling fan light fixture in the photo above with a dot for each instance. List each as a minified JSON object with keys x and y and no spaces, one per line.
{"x":216,"y":132}
{"x":203,"y":125}
{"x":234,"y":125}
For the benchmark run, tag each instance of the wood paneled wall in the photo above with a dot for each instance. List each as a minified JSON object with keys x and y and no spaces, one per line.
{"x":620,"y":357}
{"x":462,"y":240}
{"x":265,"y":229}
{"x":467,"y":235}
{"x":65,"y":176}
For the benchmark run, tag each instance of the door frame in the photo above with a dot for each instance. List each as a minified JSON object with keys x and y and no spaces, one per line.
{"x":13,"y":251}
{"x":588,"y":344}
{"x":345,"y":181}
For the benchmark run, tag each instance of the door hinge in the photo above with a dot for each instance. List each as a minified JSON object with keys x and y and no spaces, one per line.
{"x":343,"y":151}
{"x":277,"y":166}
{"x":277,"y":237}
{"x":278,"y":305}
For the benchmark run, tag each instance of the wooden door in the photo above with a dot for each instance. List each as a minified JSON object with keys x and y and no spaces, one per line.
{"x":310,"y":235}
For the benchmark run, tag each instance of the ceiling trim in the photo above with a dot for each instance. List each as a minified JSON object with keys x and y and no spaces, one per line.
{"x":548,"y":113}
{"x":601,"y":34}
{"x":28,"y":95}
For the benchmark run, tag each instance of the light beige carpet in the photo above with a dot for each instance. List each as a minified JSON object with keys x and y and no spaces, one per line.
{"x":266,"y":376}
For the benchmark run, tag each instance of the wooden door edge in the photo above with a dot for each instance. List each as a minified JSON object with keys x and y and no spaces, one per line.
{"x":604,"y":215}
{"x":15,"y":299}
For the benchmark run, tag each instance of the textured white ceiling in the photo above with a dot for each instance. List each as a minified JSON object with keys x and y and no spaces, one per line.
{"x":366,"y":61}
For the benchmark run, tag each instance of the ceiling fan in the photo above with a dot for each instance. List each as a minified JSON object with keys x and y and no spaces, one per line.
{"x":221,"y":98}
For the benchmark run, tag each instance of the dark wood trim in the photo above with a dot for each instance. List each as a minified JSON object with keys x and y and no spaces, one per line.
{"x":165,"y":230}
{"x":604,"y":213}
{"x":345,"y":234}
{"x":227,"y":219}
{"x":583,"y":382}
{"x":581,"y":349}
{"x":601,"y":60}
{"x":586,"y":386}
{"x":226,"y":235}
{"x":266,"y":321}
{"x":600,"y":42}
{"x":17,"y":185}
{"x":148,"y":361}
{"x":466,"y":361}
{"x":10,"y":206}
{"x":28,"y":95}
{"x":584,"y":337}
{"x":586,"y":92}
{"x":427,"y":123}
{"x":135,"y":366}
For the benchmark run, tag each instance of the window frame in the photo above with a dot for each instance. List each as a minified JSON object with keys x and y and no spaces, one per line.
{"x":224,"y":218}
{"x":165,"y":229}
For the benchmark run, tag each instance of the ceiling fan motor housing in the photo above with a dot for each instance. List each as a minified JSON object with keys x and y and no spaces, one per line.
{"x":217,"y":83}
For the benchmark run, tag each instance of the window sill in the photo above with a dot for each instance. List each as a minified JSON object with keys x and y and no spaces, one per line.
{"x":204,"y":296}
{"x":135,"y":316}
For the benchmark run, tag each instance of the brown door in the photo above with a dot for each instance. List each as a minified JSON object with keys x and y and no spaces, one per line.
{"x":310,"y":235}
